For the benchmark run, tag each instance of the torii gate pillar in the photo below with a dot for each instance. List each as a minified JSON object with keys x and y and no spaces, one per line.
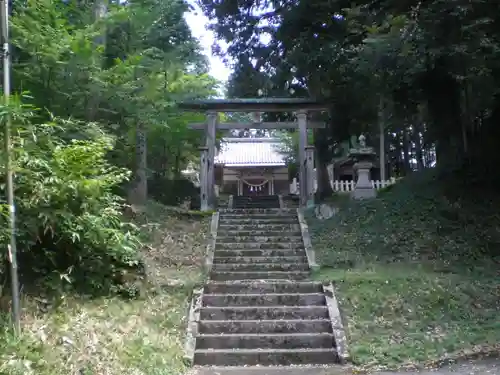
{"x":302,"y":122}
{"x":210,"y":145}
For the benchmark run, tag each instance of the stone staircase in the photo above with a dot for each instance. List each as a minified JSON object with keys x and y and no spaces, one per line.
{"x":266,"y":201}
{"x":258,"y":307}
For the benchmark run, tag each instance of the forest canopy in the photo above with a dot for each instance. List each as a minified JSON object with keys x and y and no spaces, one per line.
{"x":95,"y":86}
{"x":424,"y":75}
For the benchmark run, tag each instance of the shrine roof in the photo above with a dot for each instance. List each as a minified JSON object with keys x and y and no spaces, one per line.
{"x":250,"y":152}
{"x":254,"y":104}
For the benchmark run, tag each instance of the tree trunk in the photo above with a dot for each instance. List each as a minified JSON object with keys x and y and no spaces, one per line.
{"x":382,"y":125}
{"x":140,"y":193}
{"x":406,"y":151}
{"x":323,"y":180}
{"x":417,"y":138}
{"x":100,"y":11}
{"x":398,"y":154}
{"x":324,"y":189}
{"x":177,"y":164}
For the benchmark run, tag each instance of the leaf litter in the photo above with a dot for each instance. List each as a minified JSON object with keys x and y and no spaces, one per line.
{"x":114,"y":336}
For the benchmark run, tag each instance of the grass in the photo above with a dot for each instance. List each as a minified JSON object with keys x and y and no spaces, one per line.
{"x":416,"y":273}
{"x":145,"y":336}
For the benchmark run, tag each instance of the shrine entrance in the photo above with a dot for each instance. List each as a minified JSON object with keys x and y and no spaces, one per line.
{"x":255,"y":187}
{"x":300,"y":107}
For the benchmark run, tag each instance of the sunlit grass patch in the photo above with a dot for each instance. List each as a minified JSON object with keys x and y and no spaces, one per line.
{"x":398,"y":316}
{"x":102,"y":336}
{"x":116,"y":336}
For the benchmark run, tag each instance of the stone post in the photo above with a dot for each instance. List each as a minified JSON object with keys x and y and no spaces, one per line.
{"x":364,"y":188}
{"x":302,"y":122}
{"x":204,"y":206}
{"x":310,"y":175}
{"x":364,"y":156}
{"x":210,"y":144}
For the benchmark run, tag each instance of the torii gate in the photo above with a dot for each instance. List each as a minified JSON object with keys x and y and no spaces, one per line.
{"x":301,"y":106}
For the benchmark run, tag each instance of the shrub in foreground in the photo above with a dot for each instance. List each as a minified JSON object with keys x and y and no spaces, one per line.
{"x":69,"y":221}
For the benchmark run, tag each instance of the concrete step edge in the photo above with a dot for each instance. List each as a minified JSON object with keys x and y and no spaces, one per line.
{"x":289,"y":249}
{"x":253,"y":271}
{"x":222,"y":272}
{"x":252,"y":236}
{"x":264,"y":350}
{"x":231,"y":259}
{"x":234,"y":253}
{"x":258,"y":264}
{"x":307,"y":334}
{"x":257,"y":257}
{"x":305,"y":308}
{"x":291,"y":321}
{"x":265,"y":369}
{"x":263,"y":234}
{"x":260,"y":243}
{"x":257,"y":217}
{"x":261,"y":294}
{"x":278,"y":282}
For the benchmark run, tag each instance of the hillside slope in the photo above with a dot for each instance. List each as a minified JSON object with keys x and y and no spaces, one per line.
{"x":71,"y":334}
{"x":416,"y":270}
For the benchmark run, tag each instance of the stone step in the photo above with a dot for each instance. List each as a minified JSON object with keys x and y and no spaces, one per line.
{"x":264,"y":210}
{"x":258,"y":239}
{"x":256,"y":197}
{"x":271,"y":357}
{"x":265,"y":341}
{"x":257,"y":260}
{"x":263,"y":313}
{"x":310,"y":369}
{"x":253,"y":287}
{"x":257,"y":245}
{"x":256,"y":216}
{"x":271,"y":202}
{"x":251,"y":227}
{"x":224,"y":233}
{"x":259,"y":267}
{"x":297,"y":299}
{"x":265,"y":275}
{"x":255,"y":200}
{"x":265,"y":326}
{"x":257,"y":206}
{"x":269,"y":220}
{"x":224,"y":253}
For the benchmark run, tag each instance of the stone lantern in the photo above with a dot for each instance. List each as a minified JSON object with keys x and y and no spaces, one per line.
{"x":364,"y":160}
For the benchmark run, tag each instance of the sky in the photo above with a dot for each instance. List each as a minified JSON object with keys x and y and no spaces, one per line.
{"x":198,"y":23}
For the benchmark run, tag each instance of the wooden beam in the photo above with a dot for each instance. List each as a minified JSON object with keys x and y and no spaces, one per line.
{"x":255,"y":105}
{"x":262,"y":125}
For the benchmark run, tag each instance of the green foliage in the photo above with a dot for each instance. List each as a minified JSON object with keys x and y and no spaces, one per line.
{"x":416,"y":270}
{"x":149,"y":62}
{"x":422,"y":73}
{"x":70,"y":226}
{"x":172,"y":192}
{"x":99,"y":78}
{"x":416,"y":216}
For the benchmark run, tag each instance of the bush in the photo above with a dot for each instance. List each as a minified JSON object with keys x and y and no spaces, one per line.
{"x":173,"y":192}
{"x":69,"y":221}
